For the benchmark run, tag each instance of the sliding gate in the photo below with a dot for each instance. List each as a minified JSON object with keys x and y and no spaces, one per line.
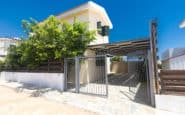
{"x":87,"y":75}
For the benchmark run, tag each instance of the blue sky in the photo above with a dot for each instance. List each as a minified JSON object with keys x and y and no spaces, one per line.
{"x":130,"y":18}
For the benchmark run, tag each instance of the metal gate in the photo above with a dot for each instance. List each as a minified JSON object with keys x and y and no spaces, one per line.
{"x":87,"y":74}
{"x":70,"y":74}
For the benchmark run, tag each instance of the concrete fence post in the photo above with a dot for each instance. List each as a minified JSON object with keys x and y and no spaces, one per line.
{"x":65,"y":74}
{"x":106,"y":76}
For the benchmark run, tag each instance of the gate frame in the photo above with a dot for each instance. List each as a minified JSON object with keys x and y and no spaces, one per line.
{"x":77,"y":72}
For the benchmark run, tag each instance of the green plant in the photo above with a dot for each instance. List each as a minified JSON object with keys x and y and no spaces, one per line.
{"x":117,"y":59}
{"x":2,"y":64}
{"x":50,"y":40}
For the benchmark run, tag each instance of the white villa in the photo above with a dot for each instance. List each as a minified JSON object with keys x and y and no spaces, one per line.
{"x":97,"y":19}
{"x":92,"y":74}
{"x":136,"y":79}
{"x":90,"y":12}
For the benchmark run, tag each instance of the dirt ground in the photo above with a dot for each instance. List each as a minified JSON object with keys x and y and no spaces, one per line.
{"x":21,"y":103}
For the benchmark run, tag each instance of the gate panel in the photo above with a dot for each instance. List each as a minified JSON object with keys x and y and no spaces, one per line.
{"x":93,"y":75}
{"x":87,"y":75}
{"x":70,"y":74}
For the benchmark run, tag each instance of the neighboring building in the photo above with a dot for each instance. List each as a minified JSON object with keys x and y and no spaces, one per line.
{"x":174,"y":58}
{"x":92,"y":13}
{"x":5,"y":42}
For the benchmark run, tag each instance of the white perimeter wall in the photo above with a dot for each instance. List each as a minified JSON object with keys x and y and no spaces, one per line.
{"x":170,"y":103}
{"x":51,"y":80}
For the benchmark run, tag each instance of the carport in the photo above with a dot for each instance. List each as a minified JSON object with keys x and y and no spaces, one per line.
{"x":140,"y":52}
{"x":122,"y":47}
{"x":90,"y":74}
{"x":133,"y":49}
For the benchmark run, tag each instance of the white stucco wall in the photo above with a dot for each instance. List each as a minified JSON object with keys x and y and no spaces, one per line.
{"x":91,"y":18}
{"x":82,"y":17}
{"x":89,"y":71}
{"x":170,"y":103}
{"x":51,"y":80}
{"x":177,"y":63}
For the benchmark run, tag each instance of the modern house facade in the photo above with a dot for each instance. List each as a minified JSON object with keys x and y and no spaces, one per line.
{"x":96,"y":18}
{"x":89,"y":71}
{"x":5,"y":42}
{"x":174,"y":59}
{"x":92,"y":13}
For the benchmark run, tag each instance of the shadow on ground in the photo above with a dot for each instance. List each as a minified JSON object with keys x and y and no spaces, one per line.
{"x":137,"y":91}
{"x":140,"y":96}
{"x":122,"y":79}
{"x":36,"y":91}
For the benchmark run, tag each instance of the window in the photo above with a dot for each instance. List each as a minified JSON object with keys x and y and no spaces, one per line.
{"x":99,"y":28}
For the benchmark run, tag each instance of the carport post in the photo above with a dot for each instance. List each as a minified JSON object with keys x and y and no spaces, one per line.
{"x":77,"y":80}
{"x":148,"y":79}
{"x":151,"y":75}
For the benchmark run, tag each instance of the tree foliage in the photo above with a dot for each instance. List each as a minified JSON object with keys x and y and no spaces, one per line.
{"x":117,"y":59}
{"x":1,"y":65}
{"x":49,"y":40}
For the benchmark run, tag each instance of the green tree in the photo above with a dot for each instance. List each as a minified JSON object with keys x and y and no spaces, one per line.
{"x":117,"y":58}
{"x":50,"y":40}
{"x":12,"y":59}
{"x":2,"y":64}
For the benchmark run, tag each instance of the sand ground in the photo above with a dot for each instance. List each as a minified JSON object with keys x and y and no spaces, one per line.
{"x":21,"y":103}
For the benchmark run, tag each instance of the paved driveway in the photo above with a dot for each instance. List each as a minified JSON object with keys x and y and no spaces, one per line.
{"x":19,"y":103}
